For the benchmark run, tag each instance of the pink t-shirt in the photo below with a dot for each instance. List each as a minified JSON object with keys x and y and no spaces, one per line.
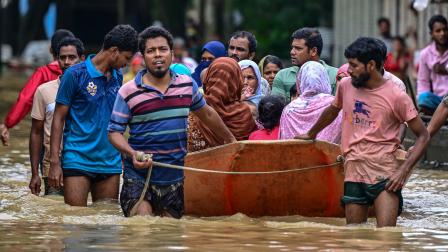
{"x":264,"y":134}
{"x":370,"y":128}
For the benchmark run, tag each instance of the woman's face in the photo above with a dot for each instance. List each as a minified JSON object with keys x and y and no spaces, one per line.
{"x":207,"y":56}
{"x":269,"y":72}
{"x":250,"y":82}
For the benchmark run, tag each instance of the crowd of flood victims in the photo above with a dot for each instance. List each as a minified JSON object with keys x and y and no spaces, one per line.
{"x":113,"y":146}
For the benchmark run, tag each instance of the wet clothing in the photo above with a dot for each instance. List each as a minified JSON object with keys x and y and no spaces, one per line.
{"x":43,"y":110}
{"x":157,"y":123}
{"x":365,"y":194}
{"x":24,"y":102}
{"x":167,"y":198}
{"x":90,"y":96}
{"x":370,"y":129}
{"x":93,"y":176}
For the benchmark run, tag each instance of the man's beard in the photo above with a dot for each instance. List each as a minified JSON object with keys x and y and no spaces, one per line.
{"x":158,"y":73}
{"x":361,"y":80}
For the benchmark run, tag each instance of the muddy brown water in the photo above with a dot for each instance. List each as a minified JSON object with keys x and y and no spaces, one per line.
{"x":31,"y":223}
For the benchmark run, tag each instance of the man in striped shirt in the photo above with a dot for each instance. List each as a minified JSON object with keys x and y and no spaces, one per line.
{"x":155,"y":106}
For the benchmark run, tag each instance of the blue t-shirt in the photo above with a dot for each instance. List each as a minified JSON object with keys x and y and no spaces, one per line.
{"x":90,"y":97}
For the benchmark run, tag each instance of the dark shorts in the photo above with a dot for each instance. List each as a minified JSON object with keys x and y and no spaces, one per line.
{"x":365,"y":194}
{"x":48,"y":190}
{"x":169,"y":198}
{"x":94,"y":177}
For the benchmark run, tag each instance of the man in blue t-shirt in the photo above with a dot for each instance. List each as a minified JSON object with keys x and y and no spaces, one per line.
{"x":84,"y":103}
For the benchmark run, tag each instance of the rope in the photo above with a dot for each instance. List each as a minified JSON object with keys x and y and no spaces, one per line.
{"x":142,"y":196}
{"x":178,"y":167}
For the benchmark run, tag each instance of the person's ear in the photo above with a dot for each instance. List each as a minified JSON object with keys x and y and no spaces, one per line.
{"x":83,"y":57}
{"x":251,"y":55}
{"x":313,"y":52}
{"x":371,"y":66}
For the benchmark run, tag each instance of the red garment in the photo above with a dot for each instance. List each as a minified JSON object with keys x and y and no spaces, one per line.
{"x":24,"y":102}
{"x":392,"y":64}
{"x":265,"y":134}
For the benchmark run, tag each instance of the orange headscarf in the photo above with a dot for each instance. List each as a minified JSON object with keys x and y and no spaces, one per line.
{"x":223,"y":84}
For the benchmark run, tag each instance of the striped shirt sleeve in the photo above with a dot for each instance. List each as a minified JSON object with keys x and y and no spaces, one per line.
{"x":197,"y":101}
{"x":120,"y":115}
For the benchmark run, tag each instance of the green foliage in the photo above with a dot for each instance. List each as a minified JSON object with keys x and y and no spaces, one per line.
{"x":273,"y":21}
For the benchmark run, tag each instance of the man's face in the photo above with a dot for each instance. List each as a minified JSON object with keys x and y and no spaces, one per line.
{"x":384,"y":28}
{"x":121,"y":58}
{"x":300,"y":53}
{"x":239,"y":49}
{"x":157,"y":56}
{"x":68,"y":56}
{"x":358,"y":72}
{"x":439,"y":34}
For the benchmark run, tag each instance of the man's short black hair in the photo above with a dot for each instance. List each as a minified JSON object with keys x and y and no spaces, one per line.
{"x":383,"y":48}
{"x":250,"y":37}
{"x":436,"y":19}
{"x":124,"y":37}
{"x":270,"y":110}
{"x":76,"y":42}
{"x":59,"y":35}
{"x":154,"y":32}
{"x":383,"y":20}
{"x":311,"y":36}
{"x":366,"y":49}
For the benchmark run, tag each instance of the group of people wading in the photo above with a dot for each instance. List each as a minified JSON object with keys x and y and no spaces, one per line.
{"x":81,"y":109}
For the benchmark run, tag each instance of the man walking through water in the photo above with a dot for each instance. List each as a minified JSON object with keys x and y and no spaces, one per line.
{"x":70,"y":51}
{"x":155,"y":106}
{"x":373,"y":109}
{"x":42,"y":75}
{"x":84,"y":103}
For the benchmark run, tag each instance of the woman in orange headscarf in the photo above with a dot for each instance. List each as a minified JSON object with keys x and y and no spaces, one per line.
{"x":222,"y":91}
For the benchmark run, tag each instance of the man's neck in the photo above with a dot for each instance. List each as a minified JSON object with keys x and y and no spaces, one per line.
{"x":441,"y":48}
{"x":100,"y":61}
{"x":376,"y":80}
{"x":160,"y":83}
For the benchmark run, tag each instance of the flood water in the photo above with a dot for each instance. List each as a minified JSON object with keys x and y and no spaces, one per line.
{"x":31,"y":223}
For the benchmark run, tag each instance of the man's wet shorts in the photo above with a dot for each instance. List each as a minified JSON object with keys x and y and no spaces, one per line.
{"x":94,"y":177}
{"x":166,"y":198}
{"x":365,"y":194}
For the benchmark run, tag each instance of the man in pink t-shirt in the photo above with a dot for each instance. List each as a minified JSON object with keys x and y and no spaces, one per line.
{"x":373,"y":109}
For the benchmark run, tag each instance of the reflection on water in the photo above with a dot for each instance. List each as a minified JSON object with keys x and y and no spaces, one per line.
{"x":28,"y":222}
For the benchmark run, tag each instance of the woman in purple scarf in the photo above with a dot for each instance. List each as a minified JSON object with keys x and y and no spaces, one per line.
{"x":313,"y":86}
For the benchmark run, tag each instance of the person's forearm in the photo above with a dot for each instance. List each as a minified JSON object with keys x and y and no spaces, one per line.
{"x":420,"y":146}
{"x":211,"y":118}
{"x":56,"y":138}
{"x":438,"y":119}
{"x":216,"y":124}
{"x":327,"y":117}
{"x":35,"y":148}
{"x":119,"y":142}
